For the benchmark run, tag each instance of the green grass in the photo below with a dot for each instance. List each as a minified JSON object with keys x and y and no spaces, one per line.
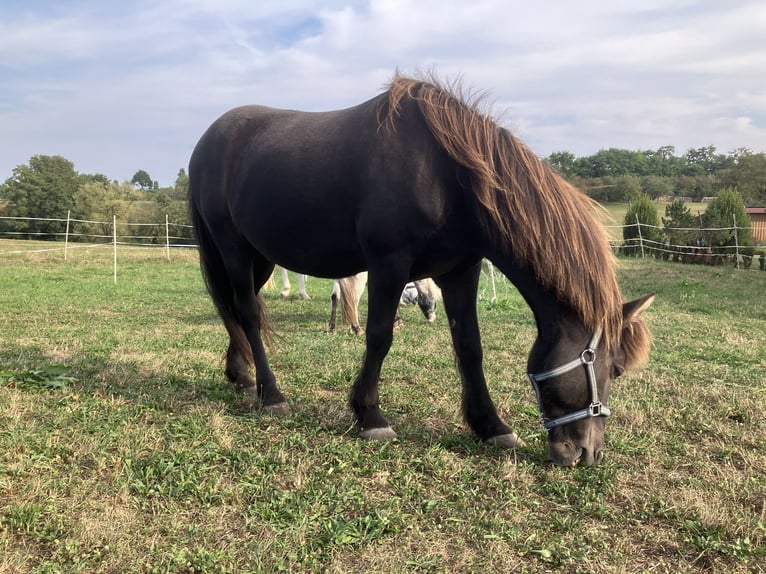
{"x":124,"y":449}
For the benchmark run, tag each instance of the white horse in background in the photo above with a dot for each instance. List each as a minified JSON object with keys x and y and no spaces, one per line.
{"x":348,"y":291}
{"x":285,"y":292}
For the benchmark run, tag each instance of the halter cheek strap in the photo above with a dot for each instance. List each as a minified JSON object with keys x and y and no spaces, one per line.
{"x":596,"y":408}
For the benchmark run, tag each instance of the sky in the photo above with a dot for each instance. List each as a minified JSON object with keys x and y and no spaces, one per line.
{"x":117,"y":87}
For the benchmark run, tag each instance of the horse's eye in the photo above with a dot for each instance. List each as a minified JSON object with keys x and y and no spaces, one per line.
{"x":617,"y":370}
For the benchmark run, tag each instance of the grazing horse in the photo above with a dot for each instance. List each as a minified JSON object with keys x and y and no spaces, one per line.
{"x":349,"y":291}
{"x":416,"y":182}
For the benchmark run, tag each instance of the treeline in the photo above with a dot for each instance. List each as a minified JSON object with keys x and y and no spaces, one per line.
{"x":49,"y":187}
{"x":618,"y":175}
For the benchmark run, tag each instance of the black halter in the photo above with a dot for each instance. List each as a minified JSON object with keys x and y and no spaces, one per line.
{"x":596,"y":407}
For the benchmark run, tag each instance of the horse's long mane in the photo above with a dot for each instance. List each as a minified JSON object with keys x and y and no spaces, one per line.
{"x":543,"y":221}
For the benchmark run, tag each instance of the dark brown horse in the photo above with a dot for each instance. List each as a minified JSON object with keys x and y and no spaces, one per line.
{"x":414,"y":183}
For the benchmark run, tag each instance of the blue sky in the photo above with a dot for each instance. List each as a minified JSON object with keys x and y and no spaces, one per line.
{"x":118,"y":87}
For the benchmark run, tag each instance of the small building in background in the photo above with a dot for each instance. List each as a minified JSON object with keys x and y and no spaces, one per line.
{"x":758,"y":219}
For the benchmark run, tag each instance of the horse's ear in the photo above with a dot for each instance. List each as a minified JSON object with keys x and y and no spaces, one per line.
{"x":635,"y":340}
{"x":632,"y":310}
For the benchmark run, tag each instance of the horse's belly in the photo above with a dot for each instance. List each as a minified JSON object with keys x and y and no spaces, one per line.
{"x":321,"y":250}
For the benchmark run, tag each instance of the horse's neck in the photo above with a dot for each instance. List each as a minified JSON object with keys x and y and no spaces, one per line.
{"x":551,"y":313}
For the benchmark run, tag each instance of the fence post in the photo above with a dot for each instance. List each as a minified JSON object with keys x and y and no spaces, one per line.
{"x":640,"y":237}
{"x":114,"y":241}
{"x":736,"y":240}
{"x":167,"y":237}
{"x":66,"y":234}
{"x":492,"y":278}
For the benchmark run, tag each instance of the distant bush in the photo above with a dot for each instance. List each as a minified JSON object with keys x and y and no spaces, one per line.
{"x":642,"y":214}
{"x":719,"y":218}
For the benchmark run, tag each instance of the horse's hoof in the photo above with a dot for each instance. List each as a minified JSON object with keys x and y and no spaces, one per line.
{"x":511,"y":440}
{"x":380,"y":434}
{"x":305,"y":296}
{"x":277,"y":410}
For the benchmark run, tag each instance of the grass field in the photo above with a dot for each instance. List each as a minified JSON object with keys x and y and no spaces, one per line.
{"x":139,"y":457}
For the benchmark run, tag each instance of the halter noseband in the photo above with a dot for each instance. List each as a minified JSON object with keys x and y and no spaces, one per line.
{"x":596,"y":407}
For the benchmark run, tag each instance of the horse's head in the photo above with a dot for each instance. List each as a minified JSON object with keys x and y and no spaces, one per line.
{"x":572,"y":377}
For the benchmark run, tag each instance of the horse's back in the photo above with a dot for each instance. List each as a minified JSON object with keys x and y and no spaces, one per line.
{"x":346,"y":184}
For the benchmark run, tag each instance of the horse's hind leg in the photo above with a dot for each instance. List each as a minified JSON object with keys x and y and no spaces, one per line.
{"x":302,"y":287}
{"x":459,"y":290}
{"x":333,"y":306}
{"x":247,"y":275}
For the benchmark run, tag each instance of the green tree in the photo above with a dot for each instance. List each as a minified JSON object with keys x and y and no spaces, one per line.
{"x":143,"y":180}
{"x":720,"y":216}
{"x":561,"y":161}
{"x":642,"y":227}
{"x":748,"y":176}
{"x":663,"y":162}
{"x":695,"y":187}
{"x":679,"y":226}
{"x":181,"y":187}
{"x":177,"y":213}
{"x":656,"y":186}
{"x":94,"y":177}
{"x":43,"y":189}
{"x":626,"y":187}
{"x":704,"y":161}
{"x":99,"y":203}
{"x":613,"y":162}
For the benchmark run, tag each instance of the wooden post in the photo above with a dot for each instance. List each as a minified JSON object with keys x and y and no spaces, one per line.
{"x":114,"y":241}
{"x":640,"y":237}
{"x":66,"y":234}
{"x":492,"y":278}
{"x":167,"y":237}
{"x":736,"y":240}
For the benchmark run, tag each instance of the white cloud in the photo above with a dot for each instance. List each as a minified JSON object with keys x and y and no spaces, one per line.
{"x":121,"y":87}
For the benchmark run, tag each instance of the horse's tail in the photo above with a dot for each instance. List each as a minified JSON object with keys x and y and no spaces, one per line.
{"x":218,"y":285}
{"x":348,"y":307}
{"x":430,"y":287}
{"x":428,"y":294}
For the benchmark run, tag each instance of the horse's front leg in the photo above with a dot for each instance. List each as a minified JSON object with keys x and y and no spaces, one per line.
{"x":459,"y":290}
{"x":383,"y":292}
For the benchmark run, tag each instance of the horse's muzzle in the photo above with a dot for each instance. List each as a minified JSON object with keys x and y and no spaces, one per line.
{"x":566,"y":453}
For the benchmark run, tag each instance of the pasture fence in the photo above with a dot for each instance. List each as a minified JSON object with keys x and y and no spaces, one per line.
{"x":702,"y":245}
{"x":28,"y":235}
{"x":25,"y":235}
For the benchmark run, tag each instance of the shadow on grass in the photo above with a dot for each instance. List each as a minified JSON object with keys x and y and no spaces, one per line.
{"x":315,"y":411}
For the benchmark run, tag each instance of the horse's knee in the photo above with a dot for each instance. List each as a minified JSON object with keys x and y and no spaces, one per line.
{"x":469,"y":351}
{"x":379,"y":339}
